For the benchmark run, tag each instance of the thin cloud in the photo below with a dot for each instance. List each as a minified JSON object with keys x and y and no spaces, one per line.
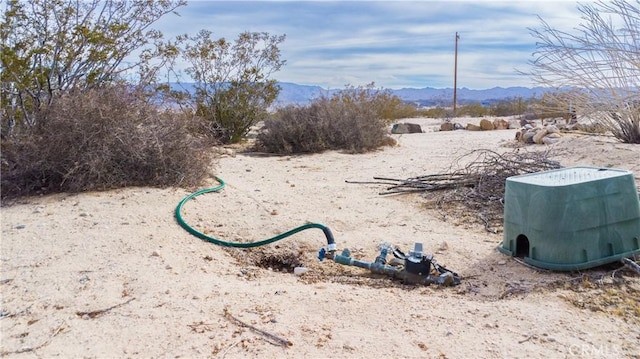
{"x":395,"y":44}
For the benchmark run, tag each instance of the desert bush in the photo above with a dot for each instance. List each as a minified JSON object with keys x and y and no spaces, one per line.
{"x":100,"y":139}
{"x":434,"y":112}
{"x":233,"y":88}
{"x":474,"y":109}
{"x":594,"y":127}
{"x":382,"y":102}
{"x":51,"y":47}
{"x":555,"y":104}
{"x":346,"y":121}
{"x":294,"y":129}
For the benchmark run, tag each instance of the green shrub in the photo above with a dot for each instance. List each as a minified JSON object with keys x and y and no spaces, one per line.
{"x":101,"y":139}
{"x":232,"y":80}
{"x":382,"y":102}
{"x":347,"y":121}
{"x":390,"y":107}
{"x":474,"y":109}
{"x":434,"y":112}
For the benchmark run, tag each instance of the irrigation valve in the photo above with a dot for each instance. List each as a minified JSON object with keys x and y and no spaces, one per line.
{"x":413,"y":268}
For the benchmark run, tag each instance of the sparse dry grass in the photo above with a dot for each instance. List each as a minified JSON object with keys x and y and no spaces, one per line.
{"x":608,"y":293}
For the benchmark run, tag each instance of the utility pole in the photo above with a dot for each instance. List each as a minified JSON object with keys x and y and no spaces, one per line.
{"x":455,"y":77}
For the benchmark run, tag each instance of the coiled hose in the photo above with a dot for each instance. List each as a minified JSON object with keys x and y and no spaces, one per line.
{"x":193,"y":231}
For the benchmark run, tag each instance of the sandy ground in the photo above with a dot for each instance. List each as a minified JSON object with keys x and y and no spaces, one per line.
{"x":111,"y":274}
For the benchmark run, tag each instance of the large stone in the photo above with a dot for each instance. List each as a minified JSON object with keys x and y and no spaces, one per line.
{"x":552,"y":129}
{"x":447,"y":126}
{"x":553,"y":135}
{"x":539,"y":136}
{"x":472,"y":127}
{"x":549,"y":141}
{"x":401,"y":128}
{"x":500,"y":124}
{"x":519,"y":136}
{"x":486,"y":125}
{"x":527,"y":137}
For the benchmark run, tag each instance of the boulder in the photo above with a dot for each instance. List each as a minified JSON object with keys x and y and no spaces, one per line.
{"x":519,"y":136}
{"x":472,"y":127}
{"x":541,"y":135}
{"x":486,"y":125}
{"x":447,"y":126}
{"x":500,"y":124}
{"x":527,"y":136}
{"x":401,"y":128}
{"x":552,"y":129}
{"x":524,"y":122}
{"x":414,"y":128}
{"x":458,"y":126}
{"x":553,"y":135}
{"x":537,"y":138}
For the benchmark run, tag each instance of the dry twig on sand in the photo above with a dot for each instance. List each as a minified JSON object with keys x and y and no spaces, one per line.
{"x":271,"y":338}
{"x":94,"y":313}
{"x":40,"y":346}
{"x":478,"y":184}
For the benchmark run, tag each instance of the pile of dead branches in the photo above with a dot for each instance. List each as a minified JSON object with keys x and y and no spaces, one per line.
{"x":475,"y":180}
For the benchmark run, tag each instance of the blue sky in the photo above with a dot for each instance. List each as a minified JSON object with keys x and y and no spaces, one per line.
{"x":395,"y":44}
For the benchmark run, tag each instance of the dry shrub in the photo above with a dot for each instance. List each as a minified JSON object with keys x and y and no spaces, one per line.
{"x":293,"y":129}
{"x":595,"y":128}
{"x":326,"y":124}
{"x":102,"y":139}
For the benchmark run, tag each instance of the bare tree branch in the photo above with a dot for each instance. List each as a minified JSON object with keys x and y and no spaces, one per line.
{"x":600,"y":60}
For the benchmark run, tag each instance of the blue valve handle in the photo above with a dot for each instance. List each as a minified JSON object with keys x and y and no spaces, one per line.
{"x":322,"y":254}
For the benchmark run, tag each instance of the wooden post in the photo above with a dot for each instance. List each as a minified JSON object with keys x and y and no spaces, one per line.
{"x":455,"y":77}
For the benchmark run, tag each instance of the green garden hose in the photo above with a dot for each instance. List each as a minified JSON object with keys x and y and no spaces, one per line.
{"x":183,"y":224}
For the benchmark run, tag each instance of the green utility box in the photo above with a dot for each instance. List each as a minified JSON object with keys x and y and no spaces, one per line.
{"x":572,"y":218}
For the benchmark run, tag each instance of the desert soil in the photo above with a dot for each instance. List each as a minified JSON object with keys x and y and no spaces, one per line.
{"x":112,"y":275}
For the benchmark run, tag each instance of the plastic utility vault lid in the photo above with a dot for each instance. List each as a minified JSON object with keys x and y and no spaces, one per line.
{"x":571,"y":218}
{"x":568,"y":176}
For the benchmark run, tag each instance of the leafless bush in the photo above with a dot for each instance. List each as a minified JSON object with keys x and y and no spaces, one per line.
{"x":324,"y":125}
{"x":600,"y":62}
{"x":102,"y":139}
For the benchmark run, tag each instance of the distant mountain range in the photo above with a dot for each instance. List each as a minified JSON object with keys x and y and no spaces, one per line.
{"x":291,"y":93}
